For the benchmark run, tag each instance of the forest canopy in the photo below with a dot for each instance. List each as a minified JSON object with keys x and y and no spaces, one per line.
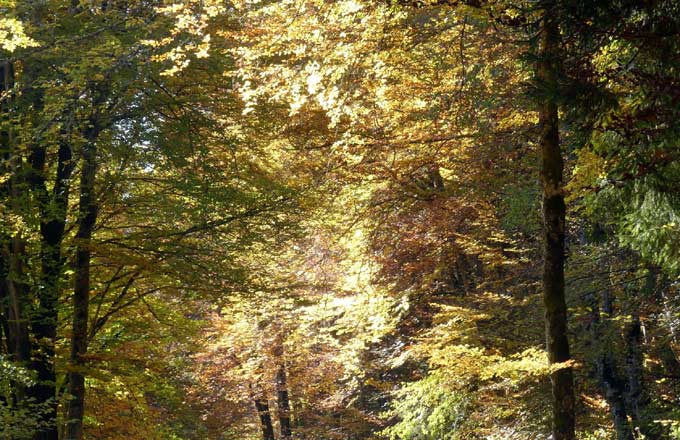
{"x":339,"y":220}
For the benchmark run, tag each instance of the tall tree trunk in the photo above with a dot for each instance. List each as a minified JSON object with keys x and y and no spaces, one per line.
{"x":614,"y":395}
{"x":52,"y":208}
{"x":283,"y":402}
{"x":81,"y":290}
{"x":613,"y":384}
{"x":4,"y":198}
{"x":637,"y":397}
{"x":554,"y":218}
{"x":262,"y":407}
{"x":53,"y":221}
{"x":14,"y":287}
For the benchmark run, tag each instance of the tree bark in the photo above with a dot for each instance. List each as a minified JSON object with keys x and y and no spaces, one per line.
{"x":614,"y":386}
{"x":81,"y":290}
{"x":14,"y":294}
{"x":554,"y":210}
{"x":53,"y":211}
{"x":262,"y":407}
{"x":636,"y":397}
{"x":613,"y":393}
{"x":283,"y":402}
{"x":14,"y":289}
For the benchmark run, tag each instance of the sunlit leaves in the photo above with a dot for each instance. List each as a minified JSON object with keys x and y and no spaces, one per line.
{"x":429,"y":409}
{"x":12,"y":34}
{"x":188,"y":37}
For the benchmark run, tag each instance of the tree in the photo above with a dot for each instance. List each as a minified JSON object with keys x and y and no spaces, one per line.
{"x":320,"y":219}
{"x":554,"y":209}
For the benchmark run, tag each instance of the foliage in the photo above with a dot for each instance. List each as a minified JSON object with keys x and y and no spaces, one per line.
{"x":18,"y":421}
{"x":428,"y":410}
{"x":327,"y":213}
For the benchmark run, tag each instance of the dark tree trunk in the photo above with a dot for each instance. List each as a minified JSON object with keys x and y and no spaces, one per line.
{"x":554,"y":218}
{"x":81,"y":290}
{"x":15,"y":326}
{"x":670,"y":361}
{"x":14,"y":289}
{"x":613,"y":384}
{"x":262,"y":407}
{"x":283,"y":402}
{"x":44,"y":324}
{"x":4,"y":239}
{"x":14,"y":300}
{"x":13,"y":295}
{"x":636,"y":396}
{"x":53,"y":210}
{"x":614,"y":394}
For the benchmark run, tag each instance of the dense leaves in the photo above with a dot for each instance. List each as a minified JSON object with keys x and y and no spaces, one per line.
{"x":303,"y":219}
